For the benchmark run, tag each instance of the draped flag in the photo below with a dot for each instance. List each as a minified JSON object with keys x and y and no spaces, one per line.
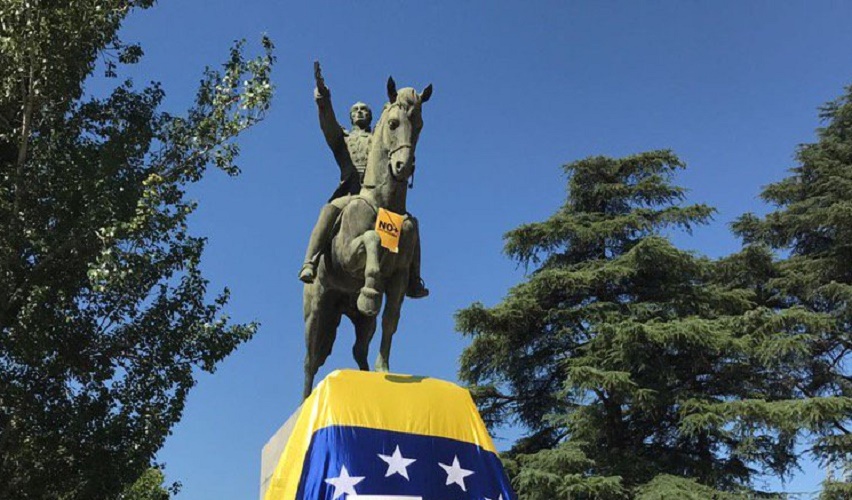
{"x":379,"y":436}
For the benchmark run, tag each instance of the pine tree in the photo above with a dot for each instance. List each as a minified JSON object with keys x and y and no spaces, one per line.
{"x":104,"y":313}
{"x":811,"y":229}
{"x":612,"y":348}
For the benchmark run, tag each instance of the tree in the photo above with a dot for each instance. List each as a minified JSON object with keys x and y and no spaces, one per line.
{"x":104,"y":313}
{"x":149,"y":486}
{"x":811,"y":227}
{"x":610,"y":351}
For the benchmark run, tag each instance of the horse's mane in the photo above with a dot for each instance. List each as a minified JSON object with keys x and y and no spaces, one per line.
{"x":406,"y":97}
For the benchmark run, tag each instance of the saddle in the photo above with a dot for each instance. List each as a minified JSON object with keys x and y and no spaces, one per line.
{"x":335,"y":228}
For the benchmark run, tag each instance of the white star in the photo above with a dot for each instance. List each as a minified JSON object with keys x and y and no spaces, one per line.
{"x":344,"y":483}
{"x":455,"y":474}
{"x":498,"y":498}
{"x":397,"y":463}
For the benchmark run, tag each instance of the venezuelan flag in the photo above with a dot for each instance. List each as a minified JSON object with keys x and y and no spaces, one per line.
{"x":379,"y":436}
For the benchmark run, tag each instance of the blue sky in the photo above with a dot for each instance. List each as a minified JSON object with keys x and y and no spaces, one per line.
{"x":521,"y":88}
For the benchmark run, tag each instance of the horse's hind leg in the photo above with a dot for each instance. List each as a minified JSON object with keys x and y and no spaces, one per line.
{"x":322,"y":316}
{"x":390,"y":318}
{"x":365,"y":327}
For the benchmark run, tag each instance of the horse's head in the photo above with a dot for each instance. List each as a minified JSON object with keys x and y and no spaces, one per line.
{"x":396,"y":134}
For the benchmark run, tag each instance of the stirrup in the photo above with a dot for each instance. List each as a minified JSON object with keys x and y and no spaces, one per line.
{"x":417,"y":289}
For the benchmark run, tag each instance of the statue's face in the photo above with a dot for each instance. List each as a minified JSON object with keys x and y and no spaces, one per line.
{"x":360,"y":115}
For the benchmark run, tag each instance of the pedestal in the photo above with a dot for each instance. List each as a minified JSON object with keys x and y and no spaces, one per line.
{"x":383,"y":436}
{"x":273,"y":449}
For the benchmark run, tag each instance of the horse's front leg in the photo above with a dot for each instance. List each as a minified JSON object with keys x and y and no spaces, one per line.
{"x":370,"y":298}
{"x":365,"y":327}
{"x":395,"y":291}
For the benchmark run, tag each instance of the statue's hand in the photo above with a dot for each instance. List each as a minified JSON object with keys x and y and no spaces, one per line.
{"x":321,"y":91}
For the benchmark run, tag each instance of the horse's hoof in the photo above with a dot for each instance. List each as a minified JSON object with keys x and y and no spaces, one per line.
{"x":369,"y":301}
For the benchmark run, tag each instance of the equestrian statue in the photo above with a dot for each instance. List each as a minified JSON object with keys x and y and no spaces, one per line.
{"x":348,"y":267}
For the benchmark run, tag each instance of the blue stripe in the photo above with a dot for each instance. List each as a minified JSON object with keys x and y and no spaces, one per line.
{"x":358,"y":449}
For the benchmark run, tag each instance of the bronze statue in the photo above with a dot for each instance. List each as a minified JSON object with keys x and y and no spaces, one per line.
{"x":352,"y":271}
{"x":350,"y":151}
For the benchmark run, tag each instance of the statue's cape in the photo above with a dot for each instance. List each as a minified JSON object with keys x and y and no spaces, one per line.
{"x":396,"y":436}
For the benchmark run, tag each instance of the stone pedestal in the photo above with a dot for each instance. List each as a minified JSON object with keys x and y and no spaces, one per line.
{"x":272,"y":451}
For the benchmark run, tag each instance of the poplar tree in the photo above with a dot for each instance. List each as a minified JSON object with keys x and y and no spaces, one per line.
{"x":611,"y":349}
{"x":104,"y":314}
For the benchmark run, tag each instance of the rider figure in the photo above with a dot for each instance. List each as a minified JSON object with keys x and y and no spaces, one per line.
{"x":350,"y":152}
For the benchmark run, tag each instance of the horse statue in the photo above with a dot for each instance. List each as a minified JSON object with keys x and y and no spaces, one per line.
{"x":356,"y":272}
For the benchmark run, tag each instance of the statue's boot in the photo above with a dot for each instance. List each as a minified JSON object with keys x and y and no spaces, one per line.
{"x":416,"y":287}
{"x":309,"y":272}
{"x":320,"y":237}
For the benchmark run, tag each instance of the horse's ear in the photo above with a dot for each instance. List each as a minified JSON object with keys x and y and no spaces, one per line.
{"x":391,"y":90}
{"x":427,"y":93}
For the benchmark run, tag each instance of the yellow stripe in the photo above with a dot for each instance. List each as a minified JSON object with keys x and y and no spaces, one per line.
{"x":401,"y":403}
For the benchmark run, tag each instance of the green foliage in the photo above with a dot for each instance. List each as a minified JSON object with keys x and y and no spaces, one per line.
{"x":104,"y":314}
{"x":562,"y":472}
{"x":666,"y":487}
{"x":833,"y":490}
{"x":661,"y":373}
{"x":812,"y":227}
{"x":616,"y":348}
{"x":149,"y":486}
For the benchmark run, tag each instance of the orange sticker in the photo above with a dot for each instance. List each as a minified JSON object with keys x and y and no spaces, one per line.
{"x":389,"y":227}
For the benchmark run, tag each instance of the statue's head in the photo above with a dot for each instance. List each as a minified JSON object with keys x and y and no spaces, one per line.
{"x":360,"y":115}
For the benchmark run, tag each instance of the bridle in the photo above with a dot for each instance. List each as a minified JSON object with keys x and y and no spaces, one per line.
{"x":413,"y":167}
{"x":390,"y":167}
{"x":396,"y":149}
{"x":401,"y":146}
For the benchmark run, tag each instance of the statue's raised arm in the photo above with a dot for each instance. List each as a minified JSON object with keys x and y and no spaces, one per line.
{"x":331,"y":129}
